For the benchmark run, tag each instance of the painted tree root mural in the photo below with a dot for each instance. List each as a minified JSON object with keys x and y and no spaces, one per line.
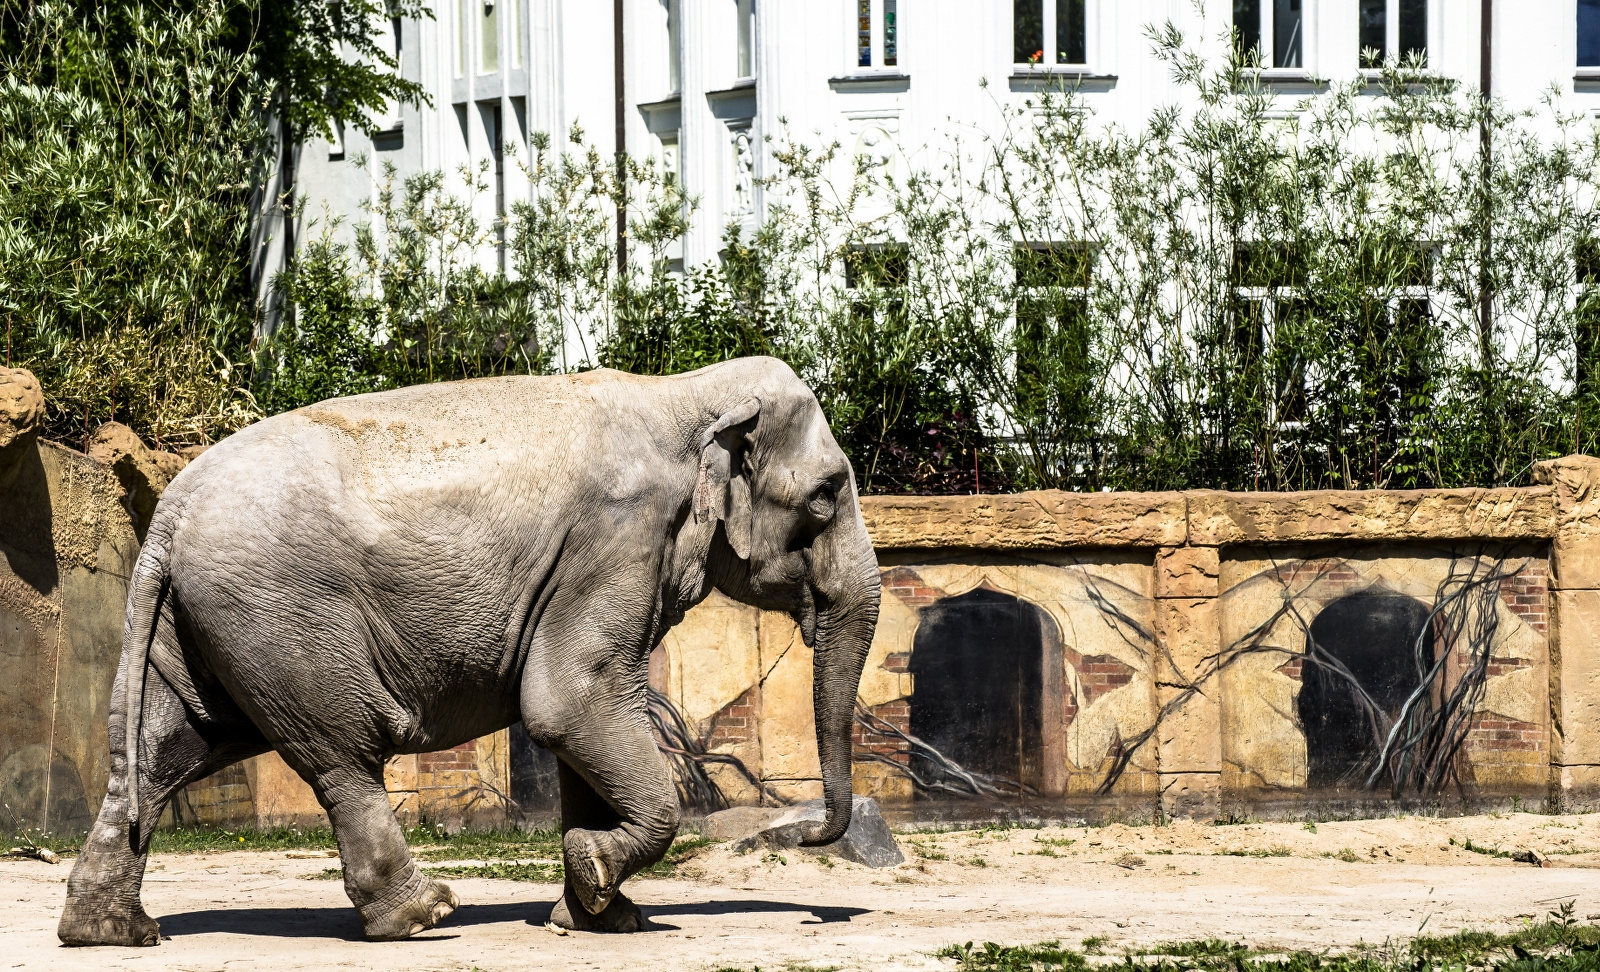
{"x":688,"y":754}
{"x":1409,"y":672}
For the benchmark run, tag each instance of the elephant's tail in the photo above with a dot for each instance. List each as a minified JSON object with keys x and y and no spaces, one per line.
{"x":145,"y":594}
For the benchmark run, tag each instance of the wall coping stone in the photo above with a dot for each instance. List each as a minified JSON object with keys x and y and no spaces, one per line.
{"x":1052,"y":519}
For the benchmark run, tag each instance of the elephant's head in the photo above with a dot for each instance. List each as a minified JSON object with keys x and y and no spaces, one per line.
{"x":791,"y":539}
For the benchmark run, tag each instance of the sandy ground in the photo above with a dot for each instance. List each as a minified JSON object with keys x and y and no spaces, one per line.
{"x":1346,"y":883}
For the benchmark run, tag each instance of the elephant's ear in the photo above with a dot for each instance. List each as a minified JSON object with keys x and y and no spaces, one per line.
{"x":723,"y":489}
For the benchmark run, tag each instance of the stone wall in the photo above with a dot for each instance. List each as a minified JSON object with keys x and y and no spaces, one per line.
{"x":1038,"y":654}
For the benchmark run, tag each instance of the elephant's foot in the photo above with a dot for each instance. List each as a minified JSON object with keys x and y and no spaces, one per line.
{"x":84,"y":924}
{"x":429,"y":904}
{"x":594,"y":868}
{"x":621,"y":915}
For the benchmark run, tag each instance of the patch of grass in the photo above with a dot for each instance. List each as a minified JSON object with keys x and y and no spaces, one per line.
{"x":775,"y":859}
{"x":684,"y":849}
{"x":1485,"y":851}
{"x":928,"y":853}
{"x":1013,"y":958}
{"x":434,"y":844}
{"x":1345,"y":854}
{"x":1202,"y":948}
{"x":331,"y":874}
{"x":538,"y":872}
{"x":1156,"y":852}
{"x":193,"y":840}
{"x":1051,"y":846}
{"x":1311,"y":825}
{"x":1558,"y":944}
{"x":976,"y":862}
{"x":1275,"y":851}
{"x":1093,"y":944}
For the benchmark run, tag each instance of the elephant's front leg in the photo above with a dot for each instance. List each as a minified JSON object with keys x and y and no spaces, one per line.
{"x":619,"y":813}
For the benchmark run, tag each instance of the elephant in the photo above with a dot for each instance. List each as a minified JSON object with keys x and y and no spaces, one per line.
{"x":406,"y":570}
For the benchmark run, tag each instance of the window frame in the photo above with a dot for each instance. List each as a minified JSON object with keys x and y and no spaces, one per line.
{"x":1391,"y":35}
{"x":1047,"y":11}
{"x":1585,"y":291}
{"x":1270,"y":304}
{"x":877,"y":29}
{"x":1268,"y":40}
{"x":744,"y":13}
{"x":1052,"y":296}
{"x":864,"y":284}
{"x":1587,"y":71}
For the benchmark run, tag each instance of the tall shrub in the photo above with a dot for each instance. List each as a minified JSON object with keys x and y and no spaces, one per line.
{"x":129,"y":136}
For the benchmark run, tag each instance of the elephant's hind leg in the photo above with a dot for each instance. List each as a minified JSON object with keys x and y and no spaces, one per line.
{"x":103,"y":905}
{"x":619,"y":813}
{"x":395,"y":899}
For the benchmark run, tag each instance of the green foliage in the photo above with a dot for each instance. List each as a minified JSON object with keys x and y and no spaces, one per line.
{"x":1558,"y":944}
{"x":401,"y":300}
{"x":322,"y":61}
{"x":128,"y":137}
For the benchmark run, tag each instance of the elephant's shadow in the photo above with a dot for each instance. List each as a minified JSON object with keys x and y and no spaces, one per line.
{"x":343,"y":924}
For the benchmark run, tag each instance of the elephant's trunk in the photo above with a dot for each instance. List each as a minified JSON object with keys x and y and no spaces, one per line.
{"x":846,"y":588}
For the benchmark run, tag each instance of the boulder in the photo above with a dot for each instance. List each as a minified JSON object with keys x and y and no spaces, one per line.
{"x":143,"y":472}
{"x":868,"y":841}
{"x":21,"y":411}
{"x":21,"y":404}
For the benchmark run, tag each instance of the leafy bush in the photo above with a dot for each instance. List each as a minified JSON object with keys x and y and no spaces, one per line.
{"x":128,"y":136}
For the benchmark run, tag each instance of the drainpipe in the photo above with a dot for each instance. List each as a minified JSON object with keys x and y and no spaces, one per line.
{"x":1486,"y":152}
{"x":620,"y":84}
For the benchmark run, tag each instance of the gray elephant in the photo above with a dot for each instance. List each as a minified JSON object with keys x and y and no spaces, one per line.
{"x":404,"y":571}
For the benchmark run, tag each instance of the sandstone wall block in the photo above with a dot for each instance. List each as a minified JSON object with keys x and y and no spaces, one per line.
{"x":1371,"y":516}
{"x":1042,"y":520}
{"x":1187,"y":572}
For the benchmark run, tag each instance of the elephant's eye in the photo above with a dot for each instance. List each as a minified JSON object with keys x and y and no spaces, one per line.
{"x":824,"y":501}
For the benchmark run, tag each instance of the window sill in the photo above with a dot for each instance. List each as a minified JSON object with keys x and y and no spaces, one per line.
{"x":1286,"y":79}
{"x":733,"y":104}
{"x":1586,"y":79}
{"x":663,"y":116}
{"x":1036,"y":77}
{"x":876,"y":81}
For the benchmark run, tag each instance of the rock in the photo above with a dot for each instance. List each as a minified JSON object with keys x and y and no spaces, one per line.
{"x":868,"y":841}
{"x":143,"y":472}
{"x":1531,"y":856}
{"x":736,"y":822}
{"x":21,"y":405}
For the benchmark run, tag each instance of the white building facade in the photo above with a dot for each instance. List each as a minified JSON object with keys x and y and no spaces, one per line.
{"x":705,"y":83}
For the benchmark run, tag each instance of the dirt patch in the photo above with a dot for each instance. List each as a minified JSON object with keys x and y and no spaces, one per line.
{"x":1277,"y":885}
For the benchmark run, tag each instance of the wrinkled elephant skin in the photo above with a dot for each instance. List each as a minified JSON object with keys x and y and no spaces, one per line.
{"x":404,"y":571}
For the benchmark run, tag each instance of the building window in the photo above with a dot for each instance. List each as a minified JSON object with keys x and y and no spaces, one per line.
{"x":1053,"y":348}
{"x":1586,"y":322}
{"x":1269,"y":307}
{"x":1588,"y":33}
{"x":1282,"y":20}
{"x":1395,"y":29}
{"x":877,"y":33}
{"x":1034,"y":23}
{"x":674,"y":48}
{"x":747,"y":14}
{"x":489,"y":40}
{"x":878,"y":273}
{"x":458,"y":11}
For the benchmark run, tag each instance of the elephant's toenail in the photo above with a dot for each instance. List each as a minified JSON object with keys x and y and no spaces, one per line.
{"x":416,"y":926}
